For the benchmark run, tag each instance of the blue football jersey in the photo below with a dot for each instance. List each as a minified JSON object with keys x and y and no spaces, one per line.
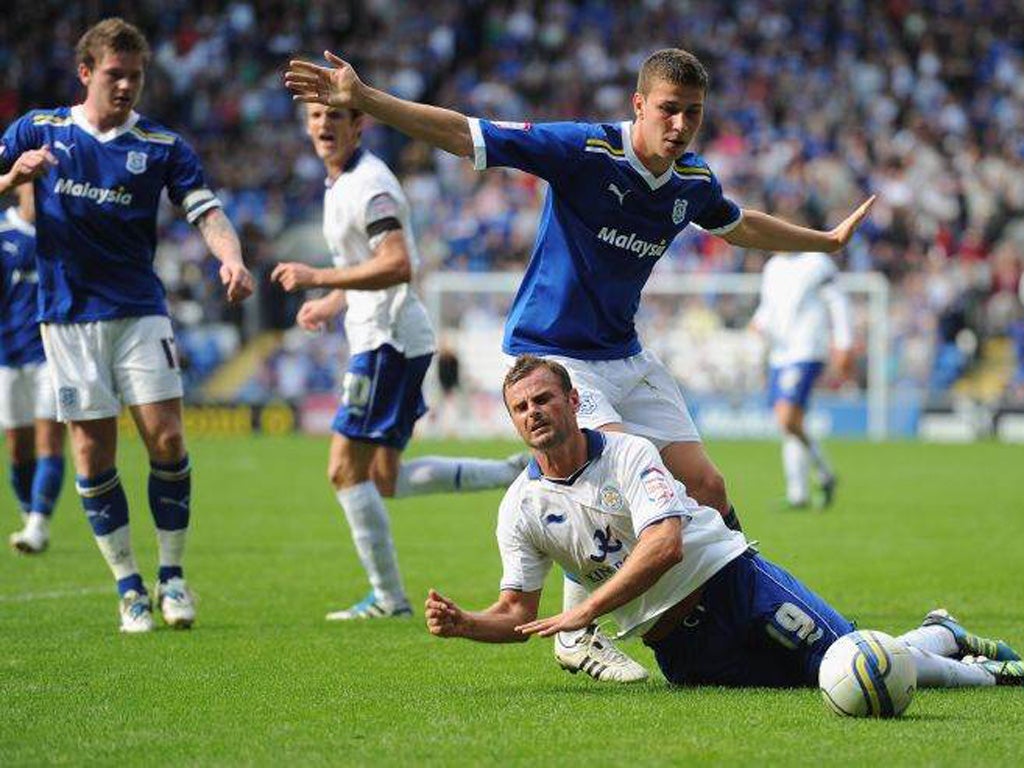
{"x":96,"y":210}
{"x":606,"y":221}
{"x":20,"y":343}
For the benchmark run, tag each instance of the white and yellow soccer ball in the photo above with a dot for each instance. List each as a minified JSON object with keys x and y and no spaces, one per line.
{"x":868,"y":674}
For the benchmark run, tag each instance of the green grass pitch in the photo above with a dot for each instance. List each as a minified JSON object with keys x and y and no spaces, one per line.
{"x":263,"y":679}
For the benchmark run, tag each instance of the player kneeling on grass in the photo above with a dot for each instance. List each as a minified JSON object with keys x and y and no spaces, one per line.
{"x":603,"y":506}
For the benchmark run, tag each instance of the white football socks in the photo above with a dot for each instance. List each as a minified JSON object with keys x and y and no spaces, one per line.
{"x":934,"y":671}
{"x":371,"y":533}
{"x":818,"y":457}
{"x":933,"y":638}
{"x":795,"y":466}
{"x":171,"y":546}
{"x":443,"y":474}
{"x":116,"y":548}
{"x":572,"y":595}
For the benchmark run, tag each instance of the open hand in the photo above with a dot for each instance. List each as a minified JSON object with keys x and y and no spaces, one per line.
{"x":337,"y":86}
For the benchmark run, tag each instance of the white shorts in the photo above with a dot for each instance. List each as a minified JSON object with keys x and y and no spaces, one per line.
{"x":26,"y":394}
{"x":637,"y":392}
{"x":99,"y":366}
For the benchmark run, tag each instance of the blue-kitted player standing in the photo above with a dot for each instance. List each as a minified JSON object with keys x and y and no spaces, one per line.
{"x":28,"y":409}
{"x":99,"y":169}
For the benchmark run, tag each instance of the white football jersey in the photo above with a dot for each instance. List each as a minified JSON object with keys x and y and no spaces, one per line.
{"x":590,"y":523}
{"x":799,"y":301}
{"x":366,"y":193}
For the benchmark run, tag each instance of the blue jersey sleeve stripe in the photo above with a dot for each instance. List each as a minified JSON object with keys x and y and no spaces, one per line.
{"x":479,"y":145}
{"x":151,"y":136}
{"x":601,"y":144}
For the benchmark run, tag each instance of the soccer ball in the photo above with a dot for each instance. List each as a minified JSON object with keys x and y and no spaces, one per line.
{"x":867,"y":674}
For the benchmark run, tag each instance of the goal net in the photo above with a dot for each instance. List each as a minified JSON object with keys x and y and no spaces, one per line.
{"x":696,"y":323}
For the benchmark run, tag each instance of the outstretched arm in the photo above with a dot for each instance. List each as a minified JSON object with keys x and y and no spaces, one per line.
{"x":659,"y":547}
{"x":339,"y":86}
{"x":223,"y":242}
{"x":764,"y":231}
{"x":495,"y":625}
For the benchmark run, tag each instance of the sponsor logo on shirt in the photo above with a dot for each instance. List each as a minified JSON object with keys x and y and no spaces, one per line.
{"x":628,"y":241}
{"x":658,"y":487}
{"x":99,"y":195}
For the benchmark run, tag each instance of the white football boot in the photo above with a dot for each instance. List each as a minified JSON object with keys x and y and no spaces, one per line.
{"x":177,"y":605}
{"x":136,"y":613}
{"x":594,"y":653}
{"x":34,"y":538}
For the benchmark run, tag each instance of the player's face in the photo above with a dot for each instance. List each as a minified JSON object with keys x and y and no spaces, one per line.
{"x":334,"y":132}
{"x":114,"y":84}
{"x":544,"y":414}
{"x":669,"y":117}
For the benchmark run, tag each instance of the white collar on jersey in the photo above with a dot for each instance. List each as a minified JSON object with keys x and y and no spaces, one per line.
{"x":15,"y":220}
{"x":78,"y":116}
{"x":654,"y":182}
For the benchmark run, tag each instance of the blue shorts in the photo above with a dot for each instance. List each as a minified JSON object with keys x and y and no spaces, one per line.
{"x":793,"y":383}
{"x":382,"y":397}
{"x":756,"y":625}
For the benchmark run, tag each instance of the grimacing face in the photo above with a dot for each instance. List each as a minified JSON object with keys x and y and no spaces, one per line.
{"x":544,"y":415}
{"x":334,"y":132}
{"x":669,"y":117}
{"x":114,"y":84}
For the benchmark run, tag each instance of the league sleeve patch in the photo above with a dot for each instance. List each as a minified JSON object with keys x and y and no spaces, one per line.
{"x":381,"y":206}
{"x":657,"y":486}
{"x":511,"y":126}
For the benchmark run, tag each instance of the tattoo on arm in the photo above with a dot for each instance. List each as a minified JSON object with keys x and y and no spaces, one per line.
{"x":220,"y":236}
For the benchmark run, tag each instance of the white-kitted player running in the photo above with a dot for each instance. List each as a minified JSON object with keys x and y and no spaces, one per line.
{"x":805,"y":317}
{"x":618,"y":194}
{"x":391,"y":342}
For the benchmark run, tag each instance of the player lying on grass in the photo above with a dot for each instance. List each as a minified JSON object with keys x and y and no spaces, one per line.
{"x":618,"y":193}
{"x":391,"y":343}
{"x":604,"y":507}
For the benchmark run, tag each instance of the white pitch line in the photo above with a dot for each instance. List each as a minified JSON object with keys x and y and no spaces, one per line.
{"x":57,"y":594}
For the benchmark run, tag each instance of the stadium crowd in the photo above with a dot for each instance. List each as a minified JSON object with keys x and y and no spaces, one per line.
{"x":811,"y":106}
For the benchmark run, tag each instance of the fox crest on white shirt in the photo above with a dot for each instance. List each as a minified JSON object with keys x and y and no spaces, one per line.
{"x":590,"y":524}
{"x":366,"y":192}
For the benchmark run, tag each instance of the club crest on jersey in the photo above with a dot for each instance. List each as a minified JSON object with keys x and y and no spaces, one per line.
{"x":136,"y":162}
{"x":588,"y":404}
{"x":68,"y":397}
{"x":658,"y":488}
{"x":679,"y":211}
{"x":611,"y":498}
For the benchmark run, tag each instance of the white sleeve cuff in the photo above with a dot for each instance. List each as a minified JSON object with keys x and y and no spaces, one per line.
{"x":479,"y":147}
{"x":727,"y":228}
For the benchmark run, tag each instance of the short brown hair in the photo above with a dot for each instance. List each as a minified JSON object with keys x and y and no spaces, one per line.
{"x":527,"y":364}
{"x":114,"y":34}
{"x":675,"y":66}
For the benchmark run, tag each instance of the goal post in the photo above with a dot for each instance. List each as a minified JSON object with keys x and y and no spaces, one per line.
{"x":696,"y":322}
